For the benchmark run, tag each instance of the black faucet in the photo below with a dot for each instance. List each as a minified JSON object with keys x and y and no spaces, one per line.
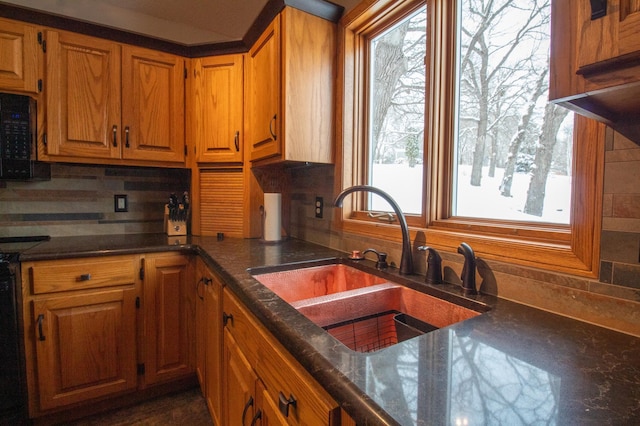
{"x":434,"y":265}
{"x":468,"y":275}
{"x":381,"y":263}
{"x":406,"y":261}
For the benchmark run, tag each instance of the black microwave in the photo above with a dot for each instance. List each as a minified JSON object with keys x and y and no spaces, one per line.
{"x":18,"y":152}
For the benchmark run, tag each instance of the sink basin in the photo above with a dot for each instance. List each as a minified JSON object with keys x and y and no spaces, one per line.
{"x":306,"y":282}
{"x":364,"y":311}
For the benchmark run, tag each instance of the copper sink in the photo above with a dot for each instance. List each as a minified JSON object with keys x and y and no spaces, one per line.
{"x":364,"y":311}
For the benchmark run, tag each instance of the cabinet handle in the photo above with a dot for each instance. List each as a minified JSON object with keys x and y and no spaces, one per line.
{"x":284,"y":403}
{"x":256,"y":417}
{"x":115,"y":135}
{"x":236,"y":140}
{"x":226,"y":317}
{"x":126,"y":136}
{"x":84,"y":277}
{"x":246,"y":407}
{"x":273,"y":135}
{"x":40,"y":332}
{"x":598,"y":9}
{"x":198,"y":288}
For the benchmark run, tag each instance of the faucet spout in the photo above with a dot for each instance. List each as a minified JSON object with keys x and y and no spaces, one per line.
{"x":406,"y":260}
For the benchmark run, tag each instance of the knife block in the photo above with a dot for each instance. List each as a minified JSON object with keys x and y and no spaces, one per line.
{"x":173,"y":227}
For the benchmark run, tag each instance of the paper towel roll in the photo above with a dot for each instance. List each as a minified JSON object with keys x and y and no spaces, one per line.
{"x":272,"y":216}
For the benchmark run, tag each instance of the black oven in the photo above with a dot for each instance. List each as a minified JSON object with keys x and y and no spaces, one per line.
{"x":13,"y":394}
{"x":12,"y":385}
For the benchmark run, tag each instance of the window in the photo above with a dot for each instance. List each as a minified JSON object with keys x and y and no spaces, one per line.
{"x":444,"y":107}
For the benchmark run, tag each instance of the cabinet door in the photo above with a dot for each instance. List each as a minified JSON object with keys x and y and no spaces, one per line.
{"x":169,"y":314}
{"x":83,"y":96}
{"x":616,"y":34}
{"x":85,"y":346}
{"x":239,"y":385}
{"x":263,"y":94}
{"x":218,"y":108}
{"x":152,"y":105}
{"x":19,"y":56}
{"x":201,"y":325}
{"x":213,"y":327}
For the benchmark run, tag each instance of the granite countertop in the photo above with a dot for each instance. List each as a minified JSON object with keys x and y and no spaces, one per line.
{"x":511,"y":365}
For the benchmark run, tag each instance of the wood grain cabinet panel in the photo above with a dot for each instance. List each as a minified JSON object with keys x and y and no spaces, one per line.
{"x":110,"y":101}
{"x":152,"y":105}
{"x":82,"y":96}
{"x":278,"y":375}
{"x":85,"y":346}
{"x":169,"y":316}
{"x":19,"y":53}
{"x":290,"y":90}
{"x":218,"y":109}
{"x":595,"y":63}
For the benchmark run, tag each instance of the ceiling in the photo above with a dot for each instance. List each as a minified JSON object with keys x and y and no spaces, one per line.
{"x":185,"y":22}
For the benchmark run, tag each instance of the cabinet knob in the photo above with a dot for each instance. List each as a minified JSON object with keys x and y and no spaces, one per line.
{"x":84,"y":277}
{"x":284,"y":403}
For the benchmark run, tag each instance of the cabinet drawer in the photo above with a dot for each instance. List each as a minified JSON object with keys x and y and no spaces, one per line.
{"x":81,"y":274}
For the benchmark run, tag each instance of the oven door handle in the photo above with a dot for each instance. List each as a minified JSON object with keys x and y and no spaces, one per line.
{"x":41,"y":336}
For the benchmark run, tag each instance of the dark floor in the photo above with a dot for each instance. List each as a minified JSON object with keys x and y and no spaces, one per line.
{"x":184,"y":408}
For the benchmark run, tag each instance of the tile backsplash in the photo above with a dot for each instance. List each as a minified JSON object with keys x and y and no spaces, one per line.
{"x":79,"y":200}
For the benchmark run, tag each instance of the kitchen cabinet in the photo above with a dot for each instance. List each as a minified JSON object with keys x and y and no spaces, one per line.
{"x":260,"y":375}
{"x":218,"y":109}
{"x":100,"y":327}
{"x":595,"y":63}
{"x":209,"y":339}
{"x":80,"y":329}
{"x":289,"y":103}
{"x":169,"y":317}
{"x":19,"y":61}
{"x":110,"y":101}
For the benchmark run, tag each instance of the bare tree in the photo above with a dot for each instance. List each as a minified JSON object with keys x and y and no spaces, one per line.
{"x":518,"y":138}
{"x":553,"y":118}
{"x":488,"y":61}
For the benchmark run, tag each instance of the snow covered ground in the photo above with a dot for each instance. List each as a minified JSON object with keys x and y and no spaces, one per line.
{"x":404,"y":185}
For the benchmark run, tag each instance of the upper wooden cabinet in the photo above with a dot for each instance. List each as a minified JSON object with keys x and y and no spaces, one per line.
{"x":19,"y":52}
{"x":595,"y":63}
{"x":218,"y":108}
{"x":152,"y":105}
{"x":110,"y":101}
{"x":290,"y":90}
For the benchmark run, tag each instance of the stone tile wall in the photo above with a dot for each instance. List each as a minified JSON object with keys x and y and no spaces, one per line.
{"x":79,"y":200}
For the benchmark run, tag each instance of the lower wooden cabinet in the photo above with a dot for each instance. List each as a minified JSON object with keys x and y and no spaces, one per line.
{"x":209,"y":338}
{"x":261,"y":380}
{"x":103,"y":326}
{"x":85,"y":346}
{"x":169,"y":317}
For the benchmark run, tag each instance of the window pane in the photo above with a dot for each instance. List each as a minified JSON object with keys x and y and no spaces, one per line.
{"x":513,"y":148}
{"x":396,"y":115}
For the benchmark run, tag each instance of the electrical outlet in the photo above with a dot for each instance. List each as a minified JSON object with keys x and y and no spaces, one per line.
{"x":319,"y":207}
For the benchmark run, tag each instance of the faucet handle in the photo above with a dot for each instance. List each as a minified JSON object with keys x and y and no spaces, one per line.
{"x":434,"y":265}
{"x":382,"y":258}
{"x":468,"y":275}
